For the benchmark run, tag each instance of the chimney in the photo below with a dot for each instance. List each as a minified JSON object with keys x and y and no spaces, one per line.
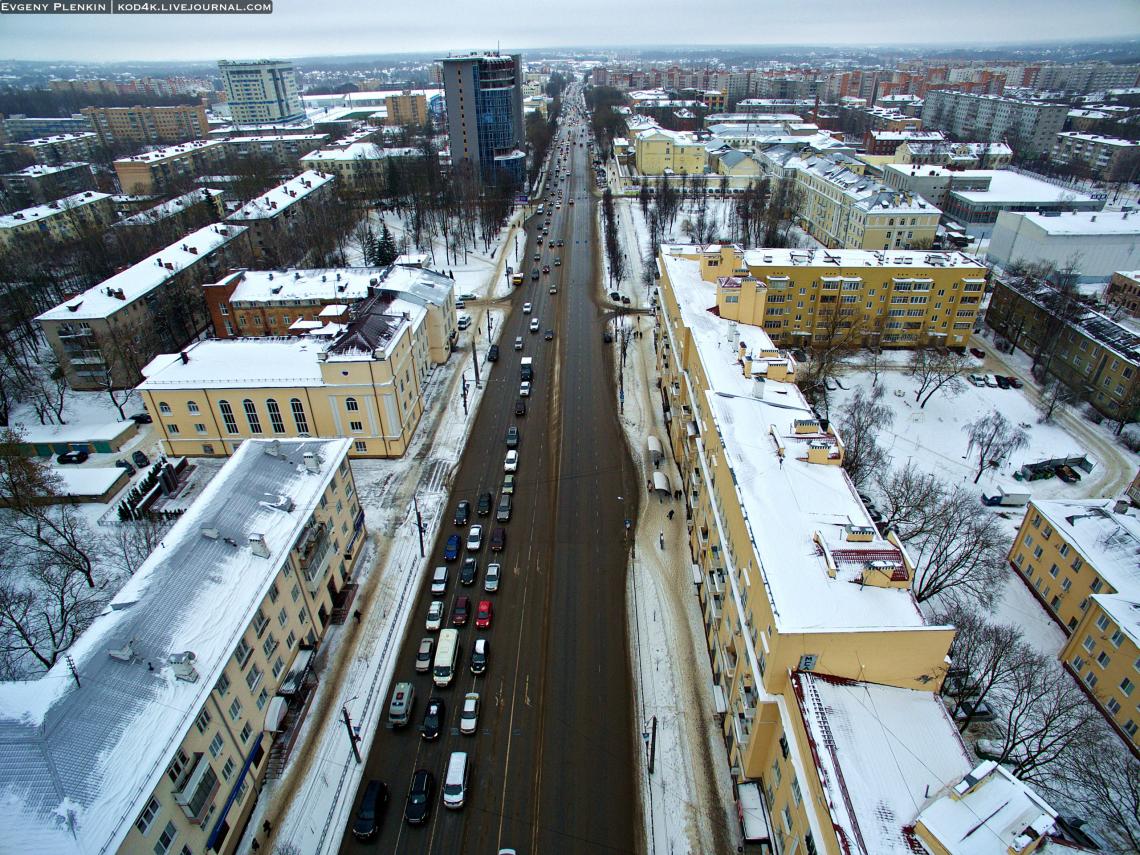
{"x":185,"y":357}
{"x":312,"y":462}
{"x":1121,"y":506}
{"x":183,"y":666}
{"x":258,"y":546}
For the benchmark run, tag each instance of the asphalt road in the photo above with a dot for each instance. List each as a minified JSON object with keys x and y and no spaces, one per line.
{"x":553,"y":764}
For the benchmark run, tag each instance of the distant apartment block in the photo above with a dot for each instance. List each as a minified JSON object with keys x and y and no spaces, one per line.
{"x":360,"y":168}
{"x":39,"y":185}
{"x":57,"y":221}
{"x":173,"y":167}
{"x":104,"y":336}
{"x":167,"y":735}
{"x":280,"y":215}
{"x":406,"y":109}
{"x":189,"y":211}
{"x":959,"y":155}
{"x":59,"y":148}
{"x":19,"y":127}
{"x":1028,"y":126}
{"x":1096,"y":356}
{"x":878,"y":143}
{"x":261,"y":92}
{"x":285,"y":150}
{"x":136,"y":126}
{"x":1106,"y":157}
{"x":362,"y":380}
{"x":1078,"y":558}
{"x":485,"y":116}
{"x":1124,"y":291}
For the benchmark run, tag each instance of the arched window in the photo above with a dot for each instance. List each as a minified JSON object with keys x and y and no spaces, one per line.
{"x":164,"y":408}
{"x":192,"y":407}
{"x":228,"y":416}
{"x":275,"y":420}
{"x":351,"y":405}
{"x":251,"y":416}
{"x":299,"y":418}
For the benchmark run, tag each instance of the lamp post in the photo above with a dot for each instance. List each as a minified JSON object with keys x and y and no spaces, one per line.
{"x":353,"y":736}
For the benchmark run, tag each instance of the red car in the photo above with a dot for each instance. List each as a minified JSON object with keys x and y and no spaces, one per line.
{"x":483,"y":615}
{"x":460,"y":611}
{"x":980,"y":354}
{"x":498,"y":538}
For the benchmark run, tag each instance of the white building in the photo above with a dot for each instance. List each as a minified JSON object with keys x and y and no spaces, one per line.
{"x":261,"y":91}
{"x":1098,"y":242}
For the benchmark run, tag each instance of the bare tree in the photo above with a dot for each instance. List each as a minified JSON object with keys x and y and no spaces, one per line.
{"x":1054,"y":393}
{"x":993,"y":438}
{"x":860,"y":420}
{"x":909,"y":500}
{"x":131,"y":542}
{"x":963,"y":553}
{"x":1106,"y":779}
{"x":934,"y":370}
{"x":835,"y":337}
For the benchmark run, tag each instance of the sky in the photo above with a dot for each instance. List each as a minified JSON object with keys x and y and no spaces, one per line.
{"x":298,"y":28}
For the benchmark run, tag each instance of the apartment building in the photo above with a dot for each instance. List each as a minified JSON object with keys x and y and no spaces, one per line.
{"x":169,"y":168}
{"x":361,"y":168}
{"x":183,"y":213}
{"x":1106,"y":157}
{"x":59,"y":221}
{"x":59,"y":148}
{"x":104,"y":336}
{"x":485,"y":116}
{"x":880,"y":143}
{"x":1100,"y":242}
{"x":1124,"y":291}
{"x":136,"y":126}
{"x":39,"y":185}
{"x":1079,"y":559}
{"x":161,"y":746}
{"x":261,"y":92}
{"x":302,"y":302}
{"x":19,"y":126}
{"x":1094,"y":355}
{"x":818,"y":650}
{"x":960,"y":155}
{"x":279,"y":215}
{"x":406,"y":109}
{"x":284,"y":150}
{"x":363,"y":381}
{"x":661,"y":152}
{"x":1028,"y":126}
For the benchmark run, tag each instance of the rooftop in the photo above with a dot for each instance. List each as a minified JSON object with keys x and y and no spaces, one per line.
{"x":358,"y":151}
{"x":273,"y":202}
{"x":268,"y":361}
{"x":122,"y":289}
{"x":78,"y":761}
{"x":1107,"y":541}
{"x":170,"y":208}
{"x":38,"y":169}
{"x":1013,"y":187}
{"x":51,"y":209}
{"x":1083,"y":222}
{"x":1099,"y":138}
{"x":170,"y":151}
{"x":855,"y":258}
{"x":54,"y":139}
{"x":343,"y":283}
{"x":1125,"y":611}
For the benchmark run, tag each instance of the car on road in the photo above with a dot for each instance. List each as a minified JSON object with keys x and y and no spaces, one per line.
{"x":484,"y":613}
{"x":526,"y":308}
{"x":978,"y":354}
{"x":518,"y":342}
{"x":468,"y":572}
{"x":538,"y":256}
{"x":418,"y":807}
{"x":534,"y":325}
{"x":468,"y":296}
{"x":520,"y":407}
{"x":464,"y":322}
{"x":1067,"y":474}
{"x":553,"y":289}
{"x":558,"y":262}
{"x":479,"y":656}
{"x":451,"y":548}
{"x":524,"y":388}
{"x":508,"y":485}
{"x":401,"y":705}
{"x":491,"y":579}
{"x":434,"y":717}
{"x":462,"y":512}
{"x":434,"y":616}
{"x":73,"y":456}
{"x":424,"y":654}
{"x":571,"y":201}
{"x":549,"y":336}
{"x":513,"y":436}
{"x":367,"y":823}
{"x":498,"y":538}
{"x":460,"y":610}
{"x":546,"y":268}
{"x":493,"y":353}
{"x":439,"y":581}
{"x":511,"y":461}
{"x":534,"y":274}
{"x":469,"y":715}
{"x":475,"y":538}
{"x":503,"y":512}
{"x":483,"y":508}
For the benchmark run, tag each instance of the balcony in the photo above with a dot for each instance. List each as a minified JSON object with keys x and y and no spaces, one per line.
{"x":314,"y":548}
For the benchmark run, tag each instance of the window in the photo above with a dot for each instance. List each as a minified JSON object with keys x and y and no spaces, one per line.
{"x":1102,"y":622}
{"x":1127,"y":686}
{"x":1078,"y":663}
{"x":192,"y":408}
{"x":164,"y":408}
{"x":273,"y":593}
{"x":251,"y":416}
{"x":145,"y":819}
{"x":262,"y":699}
{"x":1130,"y":727}
{"x":278,"y":667}
{"x":1096,"y":585}
{"x":228,"y":769}
{"x":166,"y":839}
{"x":361,"y":446}
{"x":173,"y":429}
{"x":1103,"y":659}
{"x":1037,"y":551}
{"x":254,"y":677}
{"x":245,"y":733}
{"x":356,"y":426}
{"x":282,"y":617}
{"x":275,"y":420}
{"x":303,"y":617}
{"x":299,"y":418}
{"x":242,"y":653}
{"x":207,"y":448}
{"x":776,"y":776}
{"x":351,"y":405}
{"x":1054,"y":570}
{"x":1088,"y":644}
{"x":1091,"y":680}
{"x":198,"y":426}
{"x":235,"y":710}
{"x":1112,"y":705}
{"x":202,"y":721}
{"x":295,"y":593}
{"x":290,"y":640}
{"x":223,"y":685}
{"x":796,"y":794}
{"x":228,"y":416}
{"x":177,"y":766}
{"x":269,"y":645}
{"x":260,"y":621}
{"x":216,"y":745}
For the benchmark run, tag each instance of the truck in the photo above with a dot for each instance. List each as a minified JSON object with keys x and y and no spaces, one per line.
{"x":1003,"y":495}
{"x":526,"y":367}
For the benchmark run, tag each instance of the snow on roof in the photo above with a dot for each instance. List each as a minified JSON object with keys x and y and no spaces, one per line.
{"x":357,"y":151}
{"x":80,"y":761}
{"x":89,"y":136}
{"x":51,"y":209}
{"x":844,"y":258}
{"x":342,"y":283}
{"x":170,"y":208}
{"x":170,"y":151}
{"x":308,"y":139}
{"x":1125,"y":611}
{"x":139,"y":280}
{"x":87,"y":480}
{"x":879,"y":751}
{"x":988,"y":811}
{"x":226,"y":362}
{"x":1099,"y":138}
{"x":908,"y":136}
{"x":1013,"y":187}
{"x":864,"y":191}
{"x":1106,"y":540}
{"x":39,"y":169}
{"x":82,"y":432}
{"x":1082,"y":222}
{"x":273,"y":202}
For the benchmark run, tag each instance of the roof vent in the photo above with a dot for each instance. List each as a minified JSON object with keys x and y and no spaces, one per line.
{"x":258,"y":546}
{"x":211,"y":533}
{"x":183,"y":665}
{"x":312,"y":462}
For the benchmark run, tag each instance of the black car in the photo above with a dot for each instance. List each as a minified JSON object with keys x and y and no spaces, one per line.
{"x":462,"y":512}
{"x":483,"y":508}
{"x":418,"y":808}
{"x":520,"y":407}
{"x":493,"y":353}
{"x":479,"y":656}
{"x":468,"y":572}
{"x":140,"y":459}
{"x":1002,"y":382}
{"x":74,"y":456}
{"x":549,"y":336}
{"x":125,"y":464}
{"x":513,"y":436}
{"x":141,"y":418}
{"x":434,"y":717}
{"x":372,"y":805}
{"x":607,"y":338}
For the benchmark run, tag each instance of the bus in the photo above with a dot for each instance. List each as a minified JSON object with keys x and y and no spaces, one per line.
{"x":445,"y":654}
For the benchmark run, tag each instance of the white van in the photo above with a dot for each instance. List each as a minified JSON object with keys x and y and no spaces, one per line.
{"x":445,"y":652}
{"x":455,"y":783}
{"x":439,"y":582}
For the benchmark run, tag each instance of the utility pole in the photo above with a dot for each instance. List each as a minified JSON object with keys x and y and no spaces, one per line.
{"x":353,"y":737}
{"x":475,"y":362}
{"x":419,"y":525}
{"x":463,"y":391}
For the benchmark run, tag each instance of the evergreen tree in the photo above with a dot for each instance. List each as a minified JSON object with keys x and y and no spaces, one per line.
{"x":386,"y":252}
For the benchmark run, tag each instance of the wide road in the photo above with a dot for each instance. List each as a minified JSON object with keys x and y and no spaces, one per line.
{"x":554,"y":768}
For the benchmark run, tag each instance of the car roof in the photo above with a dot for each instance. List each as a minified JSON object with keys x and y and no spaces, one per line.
{"x":462,"y":600}
{"x":481,"y":645}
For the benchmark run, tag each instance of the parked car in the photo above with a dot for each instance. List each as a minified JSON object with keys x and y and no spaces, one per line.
{"x":615,"y":296}
{"x":491,"y":579}
{"x":469,"y":716}
{"x":460,"y":610}
{"x":469,"y":571}
{"x":141,"y":418}
{"x":1067,"y":474}
{"x":463,"y":322}
{"x":123,"y":463}
{"x":493,"y":353}
{"x":462,"y":512}
{"x":483,"y":508}
{"x":607,"y":338}
{"x":475,"y":538}
{"x":451,"y":548}
{"x":513,"y":436}
{"x":468,"y":296}
{"x":991,"y":381}
{"x":1014,"y":382}
{"x":367,"y":823}
{"x":140,"y":459}
{"x":73,"y":456}
{"x":1002,"y":382}
{"x":520,"y":407}
{"x":484,"y":613}
{"x":418,"y":807}
{"x":434,"y":616}
{"x":498,"y":538}
{"x":977,"y":379}
{"x":424,"y":654}
{"x":479,"y":655}
{"x":980,"y":354}
{"x":434,"y":717}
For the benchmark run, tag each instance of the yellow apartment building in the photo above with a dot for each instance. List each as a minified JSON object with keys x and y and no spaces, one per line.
{"x":363,"y":381}
{"x":59,"y":148}
{"x":60,"y":221}
{"x":406,"y":109}
{"x":171,"y":167}
{"x":277,"y":218}
{"x":823,"y":666}
{"x":800,"y":297}
{"x":1079,"y":559}
{"x":148,"y":125}
{"x":162,"y":745}
{"x":658,"y":151}
{"x":360,"y":168}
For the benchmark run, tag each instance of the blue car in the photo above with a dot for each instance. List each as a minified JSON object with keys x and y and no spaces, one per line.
{"x":451,"y":551}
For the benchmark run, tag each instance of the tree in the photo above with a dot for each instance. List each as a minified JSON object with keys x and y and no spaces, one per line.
{"x":386,"y":252}
{"x":993,"y":438}
{"x":1055,"y":392}
{"x":934,"y":370}
{"x":909,"y":499}
{"x":860,"y":420}
{"x":1106,"y":777}
{"x":962,"y":555}
{"x":836,"y":336}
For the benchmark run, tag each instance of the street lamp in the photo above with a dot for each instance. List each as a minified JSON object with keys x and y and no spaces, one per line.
{"x":353,"y":735}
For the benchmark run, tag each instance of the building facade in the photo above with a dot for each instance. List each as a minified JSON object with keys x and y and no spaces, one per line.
{"x":484,"y":94}
{"x":1124,"y":291}
{"x":173,"y":167}
{"x":278,"y":216}
{"x":60,"y":148}
{"x":1099,"y":243}
{"x":406,"y":109}
{"x":261,"y":92}
{"x":39,"y":185}
{"x":1105,"y":157}
{"x":1030,"y":127}
{"x":59,"y":221}
{"x":121,"y":126}
{"x":166,"y":738}
{"x":361,"y":169}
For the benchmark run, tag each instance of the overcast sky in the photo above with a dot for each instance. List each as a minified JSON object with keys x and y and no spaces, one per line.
{"x":321,"y":27}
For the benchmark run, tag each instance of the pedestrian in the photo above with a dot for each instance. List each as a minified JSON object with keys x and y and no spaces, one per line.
{"x":255,"y":845}
{"x":661,"y":539}
{"x":356,"y":615}
{"x":267,"y":826}
{"x":671,"y":512}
